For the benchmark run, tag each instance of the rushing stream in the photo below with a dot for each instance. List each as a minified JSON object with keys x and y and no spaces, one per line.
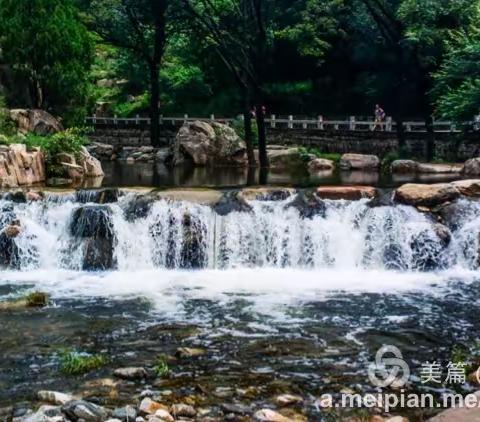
{"x":282,"y":299}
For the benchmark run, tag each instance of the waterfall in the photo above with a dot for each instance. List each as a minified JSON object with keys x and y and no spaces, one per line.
{"x":68,"y":232}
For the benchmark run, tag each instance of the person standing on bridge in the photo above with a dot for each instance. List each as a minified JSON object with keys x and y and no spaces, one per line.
{"x":379,"y":117}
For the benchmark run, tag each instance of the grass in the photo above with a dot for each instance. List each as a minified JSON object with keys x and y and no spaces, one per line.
{"x":161,"y":367}
{"x":78,"y":363}
{"x":37,"y":300}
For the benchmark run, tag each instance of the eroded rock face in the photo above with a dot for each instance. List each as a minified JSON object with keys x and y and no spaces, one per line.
{"x":426,"y":195}
{"x":359,"y":162}
{"x":213,"y":144}
{"x":19,"y":167}
{"x":81,"y":165}
{"x":37,"y":121}
{"x":265,"y":194}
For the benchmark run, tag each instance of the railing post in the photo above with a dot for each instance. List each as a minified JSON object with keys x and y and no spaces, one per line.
{"x":94,"y":118}
{"x":137,"y":121}
{"x":273,"y":124}
{"x":185,"y":118}
{"x":115,"y":119}
{"x":160,"y":119}
{"x":212,"y":117}
{"x":409,"y":127}
{"x":290,"y":122}
{"x":389,"y":124}
{"x":476,"y":126}
{"x":453,"y":127}
{"x":320,"y":122}
{"x":304,"y":125}
{"x":352,"y":123}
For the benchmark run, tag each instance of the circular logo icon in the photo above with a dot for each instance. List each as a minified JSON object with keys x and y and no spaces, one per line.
{"x":389,"y":368}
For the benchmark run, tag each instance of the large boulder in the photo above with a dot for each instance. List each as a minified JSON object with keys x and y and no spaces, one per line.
{"x":9,"y":252}
{"x":470,"y":187}
{"x":359,"y":162}
{"x":37,"y":121}
{"x":426,"y":195}
{"x":472,"y":167}
{"x":427,"y":168}
{"x":92,"y":229}
{"x":413,"y":167}
{"x":101,"y":151}
{"x":283,"y":159}
{"x":318,"y":165}
{"x":20,"y":167}
{"x":352,"y":193}
{"x":80,"y":165}
{"x":404,"y":167}
{"x":213,"y":144}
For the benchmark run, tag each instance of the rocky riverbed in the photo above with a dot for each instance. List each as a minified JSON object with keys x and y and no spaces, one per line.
{"x":250,"y":304}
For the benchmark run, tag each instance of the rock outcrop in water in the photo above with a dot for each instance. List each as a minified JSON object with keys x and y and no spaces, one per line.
{"x":359,"y":162}
{"x":212,"y":144}
{"x":92,"y":230}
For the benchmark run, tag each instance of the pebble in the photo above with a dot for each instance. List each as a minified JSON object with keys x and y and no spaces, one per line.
{"x":268,"y":415}
{"x":54,"y":397}
{"x":287,"y":400}
{"x":127,"y":413}
{"x":130,"y":373}
{"x":81,"y":409}
{"x":149,"y":407}
{"x":189,"y":352}
{"x":164,"y":415}
{"x":238,"y":409}
{"x":183,"y":410}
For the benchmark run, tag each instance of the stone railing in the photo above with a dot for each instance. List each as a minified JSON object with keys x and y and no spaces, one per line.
{"x":353,"y":123}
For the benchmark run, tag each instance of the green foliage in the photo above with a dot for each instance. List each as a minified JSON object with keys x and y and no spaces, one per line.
{"x":306,"y":153}
{"x":7,"y":126}
{"x":161,"y":367}
{"x":78,"y":363}
{"x":50,"y":50}
{"x":69,"y":141}
{"x":37,"y":299}
{"x":457,"y":88}
{"x":388,"y":159}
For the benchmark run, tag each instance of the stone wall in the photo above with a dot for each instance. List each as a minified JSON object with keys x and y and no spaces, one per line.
{"x":447,"y":146}
{"x":135,"y":136}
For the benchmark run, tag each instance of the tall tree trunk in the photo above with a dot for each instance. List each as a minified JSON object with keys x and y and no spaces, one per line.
{"x":262,"y":137}
{"x":430,"y":146}
{"x":247,"y":123}
{"x":154,"y":106}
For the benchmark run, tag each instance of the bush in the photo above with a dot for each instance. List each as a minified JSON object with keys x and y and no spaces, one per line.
{"x":306,"y":154}
{"x":69,"y":141}
{"x":7,"y":126}
{"x":76,"y":363}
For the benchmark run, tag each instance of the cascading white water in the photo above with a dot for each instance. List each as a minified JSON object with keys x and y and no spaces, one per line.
{"x":349,"y":235}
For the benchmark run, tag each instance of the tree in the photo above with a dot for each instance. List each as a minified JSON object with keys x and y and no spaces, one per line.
{"x":457,"y":83}
{"x":241,"y":32}
{"x":139,"y":26}
{"x":45,"y":42}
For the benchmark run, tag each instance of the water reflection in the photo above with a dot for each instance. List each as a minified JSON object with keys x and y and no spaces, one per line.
{"x":147,"y":174}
